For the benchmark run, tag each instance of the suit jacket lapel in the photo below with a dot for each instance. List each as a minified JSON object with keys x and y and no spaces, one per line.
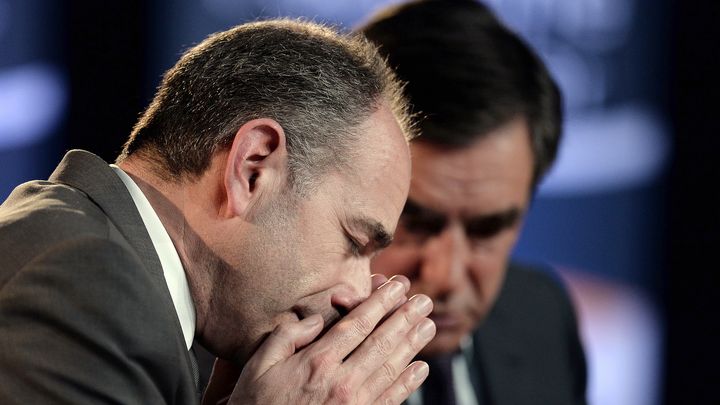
{"x":92,"y":175}
{"x":499,"y":366}
{"x":499,"y":350}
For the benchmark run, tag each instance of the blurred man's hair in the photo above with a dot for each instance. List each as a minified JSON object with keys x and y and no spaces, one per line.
{"x":468,"y":74}
{"x":317,"y":84}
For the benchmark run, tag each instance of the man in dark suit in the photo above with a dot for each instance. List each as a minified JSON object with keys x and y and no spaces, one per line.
{"x":490,"y":123}
{"x":243,"y":211}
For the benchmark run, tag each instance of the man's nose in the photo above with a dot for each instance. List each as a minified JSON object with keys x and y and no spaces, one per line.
{"x":356,"y":288}
{"x":444,"y":260}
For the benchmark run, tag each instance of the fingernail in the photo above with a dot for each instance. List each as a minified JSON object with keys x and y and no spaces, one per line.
{"x":401,"y":279}
{"x":426,"y":329}
{"x":421,"y":371}
{"x":396,"y":289}
{"x":423,"y":304}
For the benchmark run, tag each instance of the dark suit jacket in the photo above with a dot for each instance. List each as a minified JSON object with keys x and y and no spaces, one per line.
{"x":85,"y":313}
{"x":527,"y":352}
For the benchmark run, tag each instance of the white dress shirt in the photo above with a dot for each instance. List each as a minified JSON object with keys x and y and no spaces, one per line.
{"x":172,"y":266}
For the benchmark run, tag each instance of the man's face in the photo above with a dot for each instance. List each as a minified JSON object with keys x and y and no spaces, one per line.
{"x":313,"y":256}
{"x":462,"y":218}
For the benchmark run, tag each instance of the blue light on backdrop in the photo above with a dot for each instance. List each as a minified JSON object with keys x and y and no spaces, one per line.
{"x":33,"y":90}
{"x":32,"y":101}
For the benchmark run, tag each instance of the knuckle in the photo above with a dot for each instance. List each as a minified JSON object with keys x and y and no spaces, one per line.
{"x":383,"y":344}
{"x":389,"y":371}
{"x":282,"y":337}
{"x":320,"y":366}
{"x":396,"y":394}
{"x":362,"y":325}
{"x":388,"y":401}
{"x":282,"y":331}
{"x":342,"y":392}
{"x":403,"y":390}
{"x":344,"y":327}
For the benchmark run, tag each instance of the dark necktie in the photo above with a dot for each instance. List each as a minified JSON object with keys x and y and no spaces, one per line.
{"x":438,"y":388}
{"x":194,"y":368}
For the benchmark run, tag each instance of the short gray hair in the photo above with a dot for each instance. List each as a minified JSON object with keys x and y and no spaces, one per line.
{"x":319,"y":85}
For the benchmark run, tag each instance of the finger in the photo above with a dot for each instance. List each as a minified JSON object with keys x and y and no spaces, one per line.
{"x":386,"y":375}
{"x":393,"y":344}
{"x":402,"y":300}
{"x":409,"y":382}
{"x":401,"y":279}
{"x":377,"y":280}
{"x":222,"y":382}
{"x":351,"y":330}
{"x":282,"y":343}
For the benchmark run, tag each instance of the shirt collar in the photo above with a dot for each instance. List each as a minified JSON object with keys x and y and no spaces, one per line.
{"x":173,"y":270}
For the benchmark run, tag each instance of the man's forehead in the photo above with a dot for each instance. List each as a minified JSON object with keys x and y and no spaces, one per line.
{"x":490,"y":175}
{"x":468,"y":197}
{"x":513,"y":135}
{"x":376,"y":186}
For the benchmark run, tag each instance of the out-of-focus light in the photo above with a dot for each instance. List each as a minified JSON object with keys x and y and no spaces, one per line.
{"x":344,"y":12}
{"x":593,"y":25}
{"x":608,"y":150}
{"x":32,"y":101}
{"x":583,"y":83}
{"x":620,"y":329}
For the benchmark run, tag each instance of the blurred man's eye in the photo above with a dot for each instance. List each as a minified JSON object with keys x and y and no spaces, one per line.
{"x":483,"y":242}
{"x":487,"y":227}
{"x":406,"y":236}
{"x":423,"y":225}
{"x":484,"y":230}
{"x":415,"y":231}
{"x":421,"y":221}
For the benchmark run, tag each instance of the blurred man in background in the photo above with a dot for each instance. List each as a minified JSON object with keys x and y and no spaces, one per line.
{"x":490,"y":124}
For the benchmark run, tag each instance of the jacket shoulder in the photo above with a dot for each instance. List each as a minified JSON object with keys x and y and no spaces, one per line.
{"x":39,"y":215}
{"x":86,"y":325}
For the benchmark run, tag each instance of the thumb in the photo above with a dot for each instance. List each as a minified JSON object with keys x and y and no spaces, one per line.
{"x":282,"y":343}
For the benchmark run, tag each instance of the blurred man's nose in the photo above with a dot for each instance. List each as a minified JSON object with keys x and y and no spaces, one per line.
{"x":444,"y":260}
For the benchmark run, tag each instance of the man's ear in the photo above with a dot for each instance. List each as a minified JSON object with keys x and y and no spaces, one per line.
{"x":256,"y":165}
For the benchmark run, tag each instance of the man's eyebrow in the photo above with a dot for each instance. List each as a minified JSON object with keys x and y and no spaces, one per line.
{"x":489,"y":224}
{"x":379,"y":237}
{"x":416,"y":210}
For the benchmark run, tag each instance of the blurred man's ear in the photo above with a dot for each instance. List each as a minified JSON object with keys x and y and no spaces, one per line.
{"x":256,"y":166}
